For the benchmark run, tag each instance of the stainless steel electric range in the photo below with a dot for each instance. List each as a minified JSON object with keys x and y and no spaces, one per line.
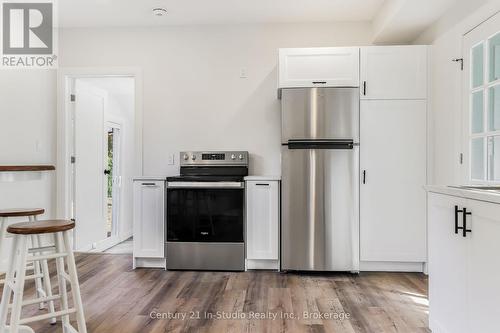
{"x":205,"y":212}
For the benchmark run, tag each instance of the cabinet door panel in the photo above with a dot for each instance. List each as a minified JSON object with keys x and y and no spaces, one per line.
{"x":483,"y":266}
{"x":394,"y":72}
{"x":319,"y":67}
{"x":262,"y":219}
{"x":447,"y":266}
{"x":149,"y":225}
{"x":393,"y":173}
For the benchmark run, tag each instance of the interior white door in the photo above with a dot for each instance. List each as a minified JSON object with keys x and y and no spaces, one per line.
{"x":447,"y":267}
{"x":394,"y":72}
{"x":393,"y":173}
{"x":89,"y":178}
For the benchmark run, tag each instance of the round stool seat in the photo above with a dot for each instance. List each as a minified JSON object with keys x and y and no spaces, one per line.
{"x":40,"y":227}
{"x":13,"y":212}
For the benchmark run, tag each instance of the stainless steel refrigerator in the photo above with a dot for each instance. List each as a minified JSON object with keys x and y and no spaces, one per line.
{"x":320,"y":179}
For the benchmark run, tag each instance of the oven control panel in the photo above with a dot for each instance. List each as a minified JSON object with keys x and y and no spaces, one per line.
{"x":214,"y":158}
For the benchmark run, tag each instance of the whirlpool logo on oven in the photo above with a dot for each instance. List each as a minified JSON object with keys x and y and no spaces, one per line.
{"x":28,"y":34}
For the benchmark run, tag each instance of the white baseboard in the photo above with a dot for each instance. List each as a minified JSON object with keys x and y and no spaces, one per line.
{"x":391,"y":266}
{"x":150,"y":263}
{"x":263,"y":264}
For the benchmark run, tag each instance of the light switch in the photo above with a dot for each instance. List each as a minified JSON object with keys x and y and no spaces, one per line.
{"x":243,"y":73}
{"x":171,"y":159}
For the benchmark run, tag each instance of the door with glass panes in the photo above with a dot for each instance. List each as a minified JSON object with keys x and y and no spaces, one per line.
{"x":481,"y":107}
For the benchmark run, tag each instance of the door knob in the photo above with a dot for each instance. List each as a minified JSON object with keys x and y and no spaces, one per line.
{"x":107,"y":172}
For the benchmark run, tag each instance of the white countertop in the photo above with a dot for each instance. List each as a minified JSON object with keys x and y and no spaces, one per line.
{"x":141,"y":178}
{"x":262,"y":178}
{"x":483,"y":195}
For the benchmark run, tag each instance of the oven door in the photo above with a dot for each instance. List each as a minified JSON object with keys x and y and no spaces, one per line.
{"x":205,"y":212}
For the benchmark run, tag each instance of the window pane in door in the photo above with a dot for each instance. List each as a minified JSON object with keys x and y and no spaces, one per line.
{"x":477,"y":66}
{"x":494,"y":108}
{"x":494,"y":53}
{"x":477,"y":112}
{"x":477,"y":159}
{"x":494,"y":158}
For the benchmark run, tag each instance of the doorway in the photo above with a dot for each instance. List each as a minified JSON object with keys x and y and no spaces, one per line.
{"x":113,"y":181}
{"x":102,"y":148}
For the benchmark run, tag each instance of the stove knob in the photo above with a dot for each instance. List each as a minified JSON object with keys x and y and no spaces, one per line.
{"x":240,"y":157}
{"x":233,"y":157}
{"x":193,"y":157}
{"x":185,"y":157}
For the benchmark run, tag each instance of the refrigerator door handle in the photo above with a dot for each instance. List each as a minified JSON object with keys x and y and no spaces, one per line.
{"x":321,"y":144}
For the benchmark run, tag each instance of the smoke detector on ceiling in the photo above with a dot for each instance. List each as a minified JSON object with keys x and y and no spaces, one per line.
{"x":159,"y":11}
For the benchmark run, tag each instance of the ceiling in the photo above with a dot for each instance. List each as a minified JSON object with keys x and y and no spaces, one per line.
{"x":118,"y":13}
{"x":393,"y":21}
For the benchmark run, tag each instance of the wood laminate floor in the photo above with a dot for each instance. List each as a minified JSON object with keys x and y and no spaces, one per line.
{"x":118,"y":299}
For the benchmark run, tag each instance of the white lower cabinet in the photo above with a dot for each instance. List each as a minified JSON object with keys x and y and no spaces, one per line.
{"x":464,"y":292}
{"x":447,"y":275}
{"x":262,"y":224}
{"x":149,"y":223}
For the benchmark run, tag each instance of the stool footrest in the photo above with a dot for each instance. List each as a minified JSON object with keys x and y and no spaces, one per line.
{"x":42,"y":249}
{"x":38,"y":300}
{"x":47,"y":316}
{"x":47,"y":256}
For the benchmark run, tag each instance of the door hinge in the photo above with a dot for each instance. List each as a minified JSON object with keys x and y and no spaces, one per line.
{"x":73,"y":159}
{"x":461,"y":61}
{"x":72,"y":98}
{"x":461,"y":158}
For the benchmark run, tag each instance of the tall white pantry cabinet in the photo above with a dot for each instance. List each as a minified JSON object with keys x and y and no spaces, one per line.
{"x":393,"y":157}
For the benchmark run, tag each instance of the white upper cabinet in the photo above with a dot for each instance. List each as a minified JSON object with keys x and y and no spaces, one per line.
{"x":262,"y":220}
{"x":394,"y":72}
{"x":319,"y":67}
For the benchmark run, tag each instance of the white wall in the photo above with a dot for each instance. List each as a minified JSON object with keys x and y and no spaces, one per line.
{"x":193,"y":96}
{"x":446,"y":88}
{"x":27,"y":136}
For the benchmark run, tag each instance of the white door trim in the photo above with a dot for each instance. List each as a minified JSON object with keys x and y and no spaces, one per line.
{"x":64,"y":130}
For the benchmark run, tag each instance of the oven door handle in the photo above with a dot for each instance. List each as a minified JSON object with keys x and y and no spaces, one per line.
{"x":218,"y":185}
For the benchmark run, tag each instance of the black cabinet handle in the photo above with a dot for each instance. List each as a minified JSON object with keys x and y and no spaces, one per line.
{"x":107,"y":172}
{"x":319,"y":82}
{"x":262,"y":184}
{"x":464,"y":225}
{"x":364,"y":88}
{"x":456,"y":219}
{"x":364,"y":176}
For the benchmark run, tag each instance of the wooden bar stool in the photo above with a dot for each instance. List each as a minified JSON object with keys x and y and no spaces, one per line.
{"x":15,"y":277}
{"x":40,"y":268}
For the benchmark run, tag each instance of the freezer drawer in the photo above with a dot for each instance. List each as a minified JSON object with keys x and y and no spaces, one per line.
{"x":320,"y":113}
{"x":320,"y":209}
